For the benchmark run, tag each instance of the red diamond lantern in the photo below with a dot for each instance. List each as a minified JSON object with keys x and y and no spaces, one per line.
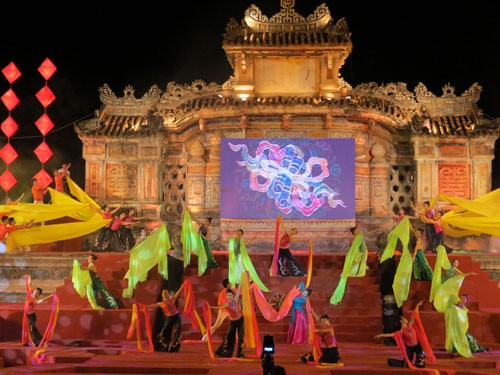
{"x":43,"y":152}
{"x":45,"y":96}
{"x":44,"y":124}
{"x":47,"y":69}
{"x":43,"y":178}
{"x":11,"y":72}
{"x":9,"y":127}
{"x":8,"y":154}
{"x":7,"y":180}
{"x":10,"y":99}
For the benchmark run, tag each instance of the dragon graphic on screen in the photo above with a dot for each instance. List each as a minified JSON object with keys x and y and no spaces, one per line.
{"x":288,"y":179}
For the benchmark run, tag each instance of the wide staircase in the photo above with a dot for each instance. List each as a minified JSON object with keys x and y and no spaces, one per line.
{"x":358,"y":318}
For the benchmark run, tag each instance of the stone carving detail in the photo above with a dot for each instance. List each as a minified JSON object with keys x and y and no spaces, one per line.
{"x":378,"y":153}
{"x":121,"y":181}
{"x":287,"y":15}
{"x":398,"y":91}
{"x":196,"y":152}
{"x":401,"y":185}
{"x":449,"y":98}
{"x":94,"y":149}
{"x":454,"y":180}
{"x":175,"y":92}
{"x":173,"y":182}
{"x":453,"y":150}
{"x":108,"y":97}
{"x":122,"y":150}
{"x":286,"y":134}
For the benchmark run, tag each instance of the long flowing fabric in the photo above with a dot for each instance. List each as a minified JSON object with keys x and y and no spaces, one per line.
{"x":49,"y":331}
{"x":252,"y":334}
{"x":192,"y":243}
{"x":41,"y":234}
{"x":422,"y":339}
{"x":189,"y":304}
{"x":86,"y":214}
{"x":402,"y":277}
{"x":82,"y":196}
{"x":83,"y":284}
{"x":24,"y":213}
{"x":207,"y":317}
{"x":239,"y":264}
{"x":457,"y":326}
{"x":274,"y":264}
{"x":472,"y":217}
{"x":267,"y":310}
{"x":136,"y":326}
{"x":354,"y":266}
{"x":147,"y":254}
{"x":442,"y":262}
{"x":61,"y":199}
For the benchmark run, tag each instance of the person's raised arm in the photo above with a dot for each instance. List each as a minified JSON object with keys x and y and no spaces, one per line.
{"x":157,"y":304}
{"x":315,"y":316}
{"x":27,"y":278}
{"x":238,"y":291}
{"x":192,"y":215}
{"x":19,"y":198}
{"x":176,"y":295}
{"x":44,"y":298}
{"x":249,"y":242}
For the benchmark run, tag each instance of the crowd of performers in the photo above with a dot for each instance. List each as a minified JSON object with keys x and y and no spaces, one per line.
{"x":243,"y":290}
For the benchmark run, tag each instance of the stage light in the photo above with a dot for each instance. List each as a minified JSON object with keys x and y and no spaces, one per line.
{"x":267,"y":356}
{"x":268,"y":345}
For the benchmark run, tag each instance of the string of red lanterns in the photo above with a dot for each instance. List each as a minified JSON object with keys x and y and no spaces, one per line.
{"x":9,"y":127}
{"x":44,"y":124}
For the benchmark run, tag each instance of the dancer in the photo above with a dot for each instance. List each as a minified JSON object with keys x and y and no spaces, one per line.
{"x":29,"y":308}
{"x":355,"y":264}
{"x":298,"y":330}
{"x":411,"y":341}
{"x":126,"y":234}
{"x":169,"y":338}
{"x":285,"y":256}
{"x":102,"y":241}
{"x":422,"y":271}
{"x":427,"y":213}
{"x":59,"y":180}
{"x":175,"y":267}
{"x":445,"y":298}
{"x":454,"y":271}
{"x":98,"y":287}
{"x":399,"y":213}
{"x":391,"y":317}
{"x":458,"y":316}
{"x":204,"y":232}
{"x":223,"y":313}
{"x":239,"y":261}
{"x":439,"y":232}
{"x":38,"y":191}
{"x":9,"y":201}
{"x":328,"y":343}
{"x":11,"y":226}
{"x":236,"y":326}
{"x":115,"y":238}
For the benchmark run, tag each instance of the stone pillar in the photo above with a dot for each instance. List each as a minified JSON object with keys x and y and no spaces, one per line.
{"x":212,"y":174}
{"x":379,"y":183}
{"x":196,"y":176}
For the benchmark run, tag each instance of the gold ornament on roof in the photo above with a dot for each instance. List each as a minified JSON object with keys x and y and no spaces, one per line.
{"x":287,"y":19}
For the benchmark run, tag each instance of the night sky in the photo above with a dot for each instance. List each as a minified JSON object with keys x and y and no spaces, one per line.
{"x":145,"y":44}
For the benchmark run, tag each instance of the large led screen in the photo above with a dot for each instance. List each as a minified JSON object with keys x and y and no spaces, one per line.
{"x":293,"y":177}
